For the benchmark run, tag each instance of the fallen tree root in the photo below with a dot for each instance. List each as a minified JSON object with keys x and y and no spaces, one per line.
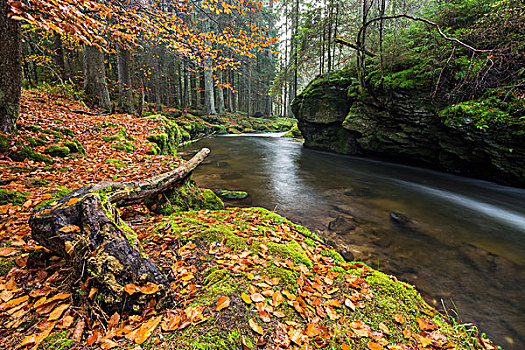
{"x":85,"y":228}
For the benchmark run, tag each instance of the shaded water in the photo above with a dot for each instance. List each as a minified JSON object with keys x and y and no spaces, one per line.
{"x":458,"y":240}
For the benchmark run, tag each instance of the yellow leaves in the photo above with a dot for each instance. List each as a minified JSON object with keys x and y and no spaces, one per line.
{"x":375,"y":346}
{"x":148,"y":288}
{"x":55,"y":315}
{"x":70,"y":228}
{"x":72,"y":201}
{"x":425,"y":325}
{"x":277,"y":298}
{"x":399,"y":318}
{"x":246,"y":298}
{"x":222,"y":303}
{"x":255,"y":327}
{"x":142,"y":333}
{"x":7,"y":251}
{"x":257,"y":297}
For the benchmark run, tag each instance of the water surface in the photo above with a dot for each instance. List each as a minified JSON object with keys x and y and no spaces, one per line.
{"x":460,"y":241}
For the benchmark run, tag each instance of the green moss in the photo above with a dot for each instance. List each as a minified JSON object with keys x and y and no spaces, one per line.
{"x":232,"y":194}
{"x":292,"y":251}
{"x":294,"y":132}
{"x":57,"y":195}
{"x":13,"y":197}
{"x":486,"y":112}
{"x":66,"y":131}
{"x":36,"y":182}
{"x":57,"y":151}
{"x":115,"y":137}
{"x":187,"y":197}
{"x":5,"y":145}
{"x":35,"y":142}
{"x":75,"y":147}
{"x":57,"y":341}
{"x":124,"y":146}
{"x":28,"y":153}
{"x":6,"y":264}
{"x":103,"y":126}
{"x":117,"y":163}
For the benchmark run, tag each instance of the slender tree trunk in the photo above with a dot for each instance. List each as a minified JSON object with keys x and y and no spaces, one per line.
{"x":156,"y":78}
{"x":95,"y":77}
{"x":185,"y":90}
{"x":220,"y":94}
{"x":124,"y":82}
{"x":209,"y":100}
{"x":194,"y":92}
{"x":59,"y":55}
{"x":10,"y":70}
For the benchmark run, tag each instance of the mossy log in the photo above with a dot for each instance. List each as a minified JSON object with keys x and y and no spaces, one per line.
{"x":85,"y":228}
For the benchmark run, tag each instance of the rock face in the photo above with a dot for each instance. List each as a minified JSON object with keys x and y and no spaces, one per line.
{"x":404,"y":126}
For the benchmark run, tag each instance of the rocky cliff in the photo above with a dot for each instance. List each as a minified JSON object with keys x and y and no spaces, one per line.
{"x":478,"y":138}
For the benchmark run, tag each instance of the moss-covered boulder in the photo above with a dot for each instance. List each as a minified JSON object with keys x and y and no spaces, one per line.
{"x":28,"y":153}
{"x":482,"y":138}
{"x":75,"y":146}
{"x":57,"y":151}
{"x":184,"y":198}
{"x":231,"y":194}
{"x":167,"y":141}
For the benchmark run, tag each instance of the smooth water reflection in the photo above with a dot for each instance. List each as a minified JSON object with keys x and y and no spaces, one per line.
{"x":464,"y":239}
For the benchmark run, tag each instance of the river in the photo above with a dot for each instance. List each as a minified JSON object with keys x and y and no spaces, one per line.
{"x":460,"y":241}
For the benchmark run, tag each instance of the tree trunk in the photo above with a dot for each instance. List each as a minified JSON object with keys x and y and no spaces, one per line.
{"x":59,"y":56}
{"x":220,"y":95}
{"x":124,"y":82}
{"x":209,"y":100}
{"x":10,"y":70}
{"x":85,"y":228}
{"x":95,"y":77}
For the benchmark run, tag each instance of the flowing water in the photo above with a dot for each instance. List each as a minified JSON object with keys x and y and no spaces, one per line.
{"x":460,"y":241}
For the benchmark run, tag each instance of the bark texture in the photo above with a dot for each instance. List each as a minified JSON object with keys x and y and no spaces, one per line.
{"x":85,"y":228}
{"x":10,"y":70}
{"x":95,"y":77}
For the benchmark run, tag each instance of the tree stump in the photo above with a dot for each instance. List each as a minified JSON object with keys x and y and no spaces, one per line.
{"x":85,"y":228}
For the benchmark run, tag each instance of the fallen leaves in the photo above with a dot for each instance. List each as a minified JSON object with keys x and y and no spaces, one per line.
{"x":222,"y":303}
{"x":255,"y":327}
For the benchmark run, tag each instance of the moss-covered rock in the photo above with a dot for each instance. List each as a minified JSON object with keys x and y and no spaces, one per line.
{"x":13,"y":197}
{"x":35,"y":142}
{"x":75,"y":146}
{"x":125,"y":146}
{"x":57,"y":151}
{"x":169,"y":140}
{"x":184,"y":198}
{"x":28,"y":153}
{"x":482,"y":138}
{"x":294,"y":132}
{"x":231,"y":194}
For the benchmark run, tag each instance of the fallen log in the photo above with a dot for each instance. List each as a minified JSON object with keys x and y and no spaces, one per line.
{"x":85,"y":228}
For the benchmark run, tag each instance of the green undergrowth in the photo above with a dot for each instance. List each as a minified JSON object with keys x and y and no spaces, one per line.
{"x":260,"y":231}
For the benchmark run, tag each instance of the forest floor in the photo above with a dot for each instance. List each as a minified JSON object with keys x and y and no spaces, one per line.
{"x":241,"y":278}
